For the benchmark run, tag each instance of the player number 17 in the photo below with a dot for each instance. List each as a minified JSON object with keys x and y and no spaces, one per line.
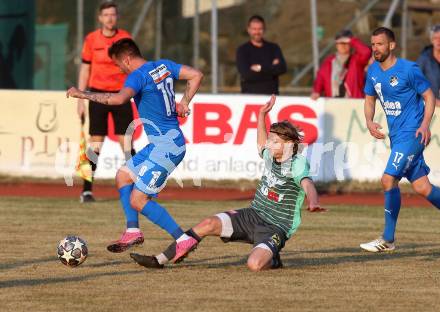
{"x":397,"y":157}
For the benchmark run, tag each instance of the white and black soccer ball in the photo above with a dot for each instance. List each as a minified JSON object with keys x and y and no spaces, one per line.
{"x":72,"y":251}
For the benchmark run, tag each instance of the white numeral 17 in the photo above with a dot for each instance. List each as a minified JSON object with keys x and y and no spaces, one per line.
{"x":397,"y":157}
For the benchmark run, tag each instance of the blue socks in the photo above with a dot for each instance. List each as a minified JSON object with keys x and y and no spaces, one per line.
{"x":392,"y":208}
{"x":434,"y":196}
{"x":131,"y":215}
{"x":152,"y":210}
{"x":160,"y":216}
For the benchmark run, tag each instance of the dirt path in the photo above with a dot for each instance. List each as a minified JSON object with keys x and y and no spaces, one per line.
{"x":192,"y":193}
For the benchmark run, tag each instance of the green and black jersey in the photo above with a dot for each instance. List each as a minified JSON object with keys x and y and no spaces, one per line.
{"x":279,"y":195}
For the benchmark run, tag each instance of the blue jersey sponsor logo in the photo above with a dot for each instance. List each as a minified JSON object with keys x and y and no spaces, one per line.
{"x":399,"y":90}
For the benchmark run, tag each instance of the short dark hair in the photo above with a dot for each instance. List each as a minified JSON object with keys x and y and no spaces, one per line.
{"x":288,"y":132}
{"x":386,"y":31}
{"x":124,"y":46}
{"x":107,"y":4}
{"x":256,"y":18}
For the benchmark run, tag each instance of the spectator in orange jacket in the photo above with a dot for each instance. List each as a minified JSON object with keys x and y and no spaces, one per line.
{"x":343,"y":74}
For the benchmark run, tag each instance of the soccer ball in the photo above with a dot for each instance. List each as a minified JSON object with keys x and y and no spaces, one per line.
{"x":72,"y":251}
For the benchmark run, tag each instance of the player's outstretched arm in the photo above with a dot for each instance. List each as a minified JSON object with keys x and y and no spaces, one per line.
{"x":369,"y":110}
{"x":312,"y":196}
{"x":429,"y":98}
{"x":194,"y":79}
{"x":262,"y":131}
{"x":119,"y":98}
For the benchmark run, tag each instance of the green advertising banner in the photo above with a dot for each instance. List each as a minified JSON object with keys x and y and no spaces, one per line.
{"x":50,"y":52}
{"x":17,"y":44}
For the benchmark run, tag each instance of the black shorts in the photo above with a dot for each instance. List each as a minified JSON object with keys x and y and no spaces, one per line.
{"x":98,"y":116}
{"x":245,"y":225}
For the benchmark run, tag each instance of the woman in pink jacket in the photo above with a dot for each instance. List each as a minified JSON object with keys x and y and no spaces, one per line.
{"x":343,"y":74}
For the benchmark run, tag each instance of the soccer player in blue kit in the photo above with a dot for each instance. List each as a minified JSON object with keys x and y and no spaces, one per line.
{"x":151,"y":84}
{"x":401,"y":88}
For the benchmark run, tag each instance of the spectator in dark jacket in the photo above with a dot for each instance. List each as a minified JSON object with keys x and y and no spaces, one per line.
{"x":343,"y":74}
{"x":429,"y":62}
{"x":259,"y":62}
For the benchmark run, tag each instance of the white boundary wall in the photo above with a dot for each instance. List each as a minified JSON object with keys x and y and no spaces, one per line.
{"x":39,"y":134}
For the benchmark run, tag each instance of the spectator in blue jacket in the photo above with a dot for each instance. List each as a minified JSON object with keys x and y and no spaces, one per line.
{"x":429,"y":62}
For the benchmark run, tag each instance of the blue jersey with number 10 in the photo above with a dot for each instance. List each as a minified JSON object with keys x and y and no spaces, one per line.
{"x":399,"y":89}
{"x":153,"y":83}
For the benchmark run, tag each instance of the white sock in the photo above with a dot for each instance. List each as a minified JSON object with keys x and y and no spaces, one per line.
{"x":162,"y":259}
{"x":133,"y":230}
{"x":182,"y":238}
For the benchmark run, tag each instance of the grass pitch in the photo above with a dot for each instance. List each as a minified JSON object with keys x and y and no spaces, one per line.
{"x":324,"y":268}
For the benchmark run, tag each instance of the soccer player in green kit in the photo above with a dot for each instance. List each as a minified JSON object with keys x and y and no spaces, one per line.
{"x":274,"y":214}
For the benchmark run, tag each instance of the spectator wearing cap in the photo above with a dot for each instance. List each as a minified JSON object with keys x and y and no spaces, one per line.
{"x":429,"y":62}
{"x":343,"y":74}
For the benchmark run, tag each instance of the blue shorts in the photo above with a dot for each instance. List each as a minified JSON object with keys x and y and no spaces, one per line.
{"x":406,"y":160}
{"x":153,"y":164}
